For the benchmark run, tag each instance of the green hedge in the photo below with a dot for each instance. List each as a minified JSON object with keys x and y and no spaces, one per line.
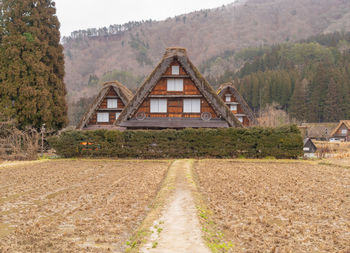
{"x":284,"y":142}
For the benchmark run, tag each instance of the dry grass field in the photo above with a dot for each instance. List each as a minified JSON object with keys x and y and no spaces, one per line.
{"x":75,"y":205}
{"x":278,"y":206}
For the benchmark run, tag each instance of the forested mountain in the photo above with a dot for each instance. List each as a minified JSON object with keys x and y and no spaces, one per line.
{"x":219,"y":41}
{"x":310,"y":79}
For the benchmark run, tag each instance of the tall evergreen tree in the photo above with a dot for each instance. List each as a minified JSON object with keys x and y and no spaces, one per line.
{"x":32,"y":64}
{"x":332,"y":106}
{"x":298,"y":108}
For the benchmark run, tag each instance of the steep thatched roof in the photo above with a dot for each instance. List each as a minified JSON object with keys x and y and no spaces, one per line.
{"x":123,"y":92}
{"x":345,"y":122}
{"x":203,"y":86}
{"x":229,"y":86}
{"x":318,"y":130}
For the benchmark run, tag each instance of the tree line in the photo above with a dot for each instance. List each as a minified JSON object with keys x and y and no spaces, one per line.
{"x":309,"y":79}
{"x":104,"y":31}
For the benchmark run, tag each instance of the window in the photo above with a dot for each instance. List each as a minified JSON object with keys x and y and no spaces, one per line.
{"x":228,"y":98}
{"x":102,"y":117}
{"x":175,"y":70}
{"x":117,"y":114}
{"x":344,"y":131}
{"x":112,"y":103}
{"x":175,"y":84}
{"x":306,"y":149}
{"x":233,"y":107}
{"x":158,"y":105}
{"x":192,"y":105}
{"x":240,"y":118}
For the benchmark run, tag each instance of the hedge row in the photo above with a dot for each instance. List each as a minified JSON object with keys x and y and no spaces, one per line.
{"x":284,"y":142}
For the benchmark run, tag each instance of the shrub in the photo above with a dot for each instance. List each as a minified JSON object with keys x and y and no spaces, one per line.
{"x":283,"y":142}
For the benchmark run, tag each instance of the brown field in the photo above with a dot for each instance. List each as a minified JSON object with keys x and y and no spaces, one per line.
{"x":75,"y":206}
{"x":278,"y":206}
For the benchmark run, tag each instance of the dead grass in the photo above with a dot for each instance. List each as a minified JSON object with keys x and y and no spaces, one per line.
{"x":75,"y":205}
{"x":332,"y":149}
{"x":279,"y":206}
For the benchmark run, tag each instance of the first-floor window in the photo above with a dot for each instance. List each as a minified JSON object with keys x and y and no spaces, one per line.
{"x":117,"y":114}
{"x":159,"y":105}
{"x":233,"y":107}
{"x":112,"y":103}
{"x":102,"y":117}
{"x":240,"y":118}
{"x":192,"y":105}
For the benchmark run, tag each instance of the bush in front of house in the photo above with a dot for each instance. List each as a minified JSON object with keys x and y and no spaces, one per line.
{"x":283,"y":142}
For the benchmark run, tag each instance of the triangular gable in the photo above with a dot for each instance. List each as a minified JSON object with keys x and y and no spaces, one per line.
{"x":229,"y":86}
{"x":179,"y":55}
{"x":346,"y":123}
{"x":122,"y":92}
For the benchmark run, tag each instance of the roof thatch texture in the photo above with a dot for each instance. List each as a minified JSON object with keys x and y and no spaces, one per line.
{"x":179,"y":54}
{"x":246,"y":108}
{"x":123,"y":92}
{"x":345,"y":122}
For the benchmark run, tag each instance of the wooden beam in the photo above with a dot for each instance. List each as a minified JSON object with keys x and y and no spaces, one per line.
{"x":175,"y":96}
{"x":174,"y":123}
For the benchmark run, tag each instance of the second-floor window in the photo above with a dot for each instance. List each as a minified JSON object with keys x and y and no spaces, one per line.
{"x":112,"y":103}
{"x":228,"y":98}
{"x":233,"y":107}
{"x":175,"y":84}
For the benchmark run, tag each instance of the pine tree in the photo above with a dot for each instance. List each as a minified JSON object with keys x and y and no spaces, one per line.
{"x":298,"y":108}
{"x":32,"y":65}
{"x":332,"y":107}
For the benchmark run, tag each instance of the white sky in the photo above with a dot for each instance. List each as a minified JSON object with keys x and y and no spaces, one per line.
{"x":82,"y":14}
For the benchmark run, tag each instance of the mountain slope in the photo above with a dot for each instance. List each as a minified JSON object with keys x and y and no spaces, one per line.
{"x":205,"y":34}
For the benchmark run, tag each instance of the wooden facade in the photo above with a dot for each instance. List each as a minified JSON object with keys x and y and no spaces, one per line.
{"x":175,"y":95}
{"x":237,"y":104}
{"x":342,"y":131}
{"x":107,"y":107}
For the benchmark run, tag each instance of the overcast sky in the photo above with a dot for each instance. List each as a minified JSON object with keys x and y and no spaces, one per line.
{"x":82,"y":14}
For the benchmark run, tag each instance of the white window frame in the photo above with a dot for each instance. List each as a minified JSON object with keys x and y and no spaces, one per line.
{"x":228,"y":98}
{"x":117,"y":114}
{"x":306,"y":149}
{"x":175,"y":70}
{"x":233,"y":109}
{"x":158,"y":105}
{"x":175,"y":84}
{"x":112,"y":103}
{"x":240,"y":118}
{"x":344,"y":131}
{"x":192,"y":105}
{"x":103,"y":117}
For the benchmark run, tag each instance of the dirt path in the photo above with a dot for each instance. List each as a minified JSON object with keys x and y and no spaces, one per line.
{"x":178,"y":229}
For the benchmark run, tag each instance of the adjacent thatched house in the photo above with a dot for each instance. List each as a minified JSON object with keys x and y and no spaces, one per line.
{"x":342,"y":131}
{"x":106,"y":108}
{"x":317,"y":131}
{"x":176,"y":95}
{"x":237,"y":104}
